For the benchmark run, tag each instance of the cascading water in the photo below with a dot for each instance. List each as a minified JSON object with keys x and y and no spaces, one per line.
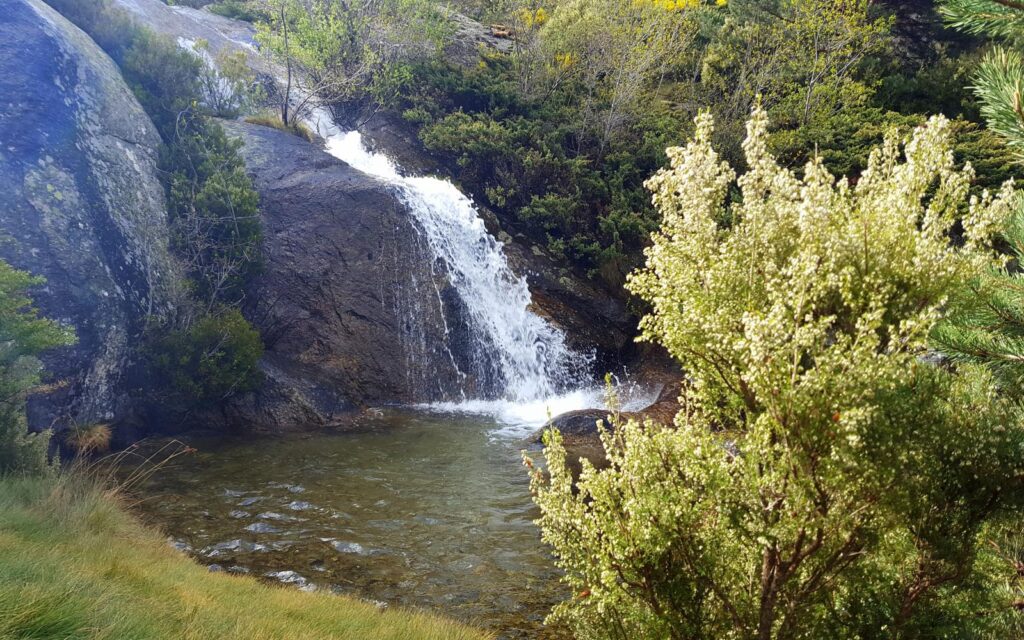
{"x":516,"y":357}
{"x":520,"y":369}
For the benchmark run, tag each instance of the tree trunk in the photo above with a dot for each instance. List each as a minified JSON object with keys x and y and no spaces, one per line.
{"x":288,"y":64}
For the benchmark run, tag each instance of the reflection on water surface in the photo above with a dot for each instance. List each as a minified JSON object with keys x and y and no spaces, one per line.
{"x":414,"y":509}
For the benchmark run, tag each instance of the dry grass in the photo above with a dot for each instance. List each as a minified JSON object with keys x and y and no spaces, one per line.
{"x":89,"y":440}
{"x":75,"y":565}
{"x":274,"y":121}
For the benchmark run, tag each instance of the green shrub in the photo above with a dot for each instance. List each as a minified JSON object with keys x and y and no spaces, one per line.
{"x":240,"y":10}
{"x":214,"y":359}
{"x":822,"y":478}
{"x":214,"y":211}
{"x":23,"y":336}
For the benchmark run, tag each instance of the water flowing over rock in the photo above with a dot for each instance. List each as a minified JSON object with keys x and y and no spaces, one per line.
{"x":349,"y":302}
{"x":504,"y":350}
{"x":488,"y":274}
{"x":81,"y":204}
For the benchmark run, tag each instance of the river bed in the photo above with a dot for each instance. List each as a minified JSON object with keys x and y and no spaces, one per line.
{"x":414,"y":508}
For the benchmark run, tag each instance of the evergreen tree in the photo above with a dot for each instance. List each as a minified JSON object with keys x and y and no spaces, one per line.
{"x":999,"y":81}
{"x":23,"y":336}
{"x":987,"y":324}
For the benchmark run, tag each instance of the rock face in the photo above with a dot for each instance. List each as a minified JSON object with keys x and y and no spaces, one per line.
{"x":80,"y":204}
{"x":223,"y":35}
{"x":592,"y":318}
{"x":470,"y":38}
{"x":349,"y":303}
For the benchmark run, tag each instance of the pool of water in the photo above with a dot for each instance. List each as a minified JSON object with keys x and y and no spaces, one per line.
{"x":414,"y":508}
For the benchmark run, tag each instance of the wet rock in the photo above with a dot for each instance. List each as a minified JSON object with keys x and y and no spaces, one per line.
{"x":340,"y":302}
{"x":350,"y":547}
{"x":277,"y":517}
{"x":238,"y":514}
{"x":262,"y":527}
{"x":81,"y":204}
{"x":222,"y":35}
{"x":289,"y":577}
{"x":180,"y":545}
{"x":232,"y":546}
{"x":579,"y":428}
{"x":248,"y":502}
{"x":299,"y":505}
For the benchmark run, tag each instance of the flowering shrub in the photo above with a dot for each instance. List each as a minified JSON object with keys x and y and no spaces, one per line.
{"x":823,"y":479}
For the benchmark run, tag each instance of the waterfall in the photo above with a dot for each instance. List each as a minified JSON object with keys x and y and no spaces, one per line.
{"x":521,"y":368}
{"x":514,"y":354}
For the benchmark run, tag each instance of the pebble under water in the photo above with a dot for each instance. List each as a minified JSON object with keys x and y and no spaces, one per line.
{"x":412,"y":509}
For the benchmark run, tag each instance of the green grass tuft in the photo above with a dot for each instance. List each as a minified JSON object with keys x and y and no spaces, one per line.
{"x":274,"y":121}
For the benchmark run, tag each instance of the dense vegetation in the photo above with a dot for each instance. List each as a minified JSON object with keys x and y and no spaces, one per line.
{"x":559,"y":134}
{"x":822,"y":479}
{"x":23,"y":336}
{"x":825,"y":476}
{"x":208,"y":351}
{"x":847,"y":459}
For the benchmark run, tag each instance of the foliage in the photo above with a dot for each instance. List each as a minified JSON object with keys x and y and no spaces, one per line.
{"x":23,"y":336}
{"x":821,"y":479}
{"x":213,"y":206}
{"x":77,"y":565}
{"x":344,"y":54}
{"x":214,"y":359}
{"x":999,"y":80}
{"x":273,"y":121}
{"x":214,"y":212}
{"x":986,"y":325}
{"x":246,"y":10}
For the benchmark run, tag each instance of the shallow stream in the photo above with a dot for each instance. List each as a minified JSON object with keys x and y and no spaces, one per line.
{"x":415,"y":508}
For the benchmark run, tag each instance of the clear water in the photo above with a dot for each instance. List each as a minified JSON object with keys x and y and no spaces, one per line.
{"x":427,"y":510}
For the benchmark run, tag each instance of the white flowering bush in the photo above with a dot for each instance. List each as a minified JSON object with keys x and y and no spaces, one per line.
{"x":823,"y":478}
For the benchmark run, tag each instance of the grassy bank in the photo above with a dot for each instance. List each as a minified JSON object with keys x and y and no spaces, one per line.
{"x":75,"y":564}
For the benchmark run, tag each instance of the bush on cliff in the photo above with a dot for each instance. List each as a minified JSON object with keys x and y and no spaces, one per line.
{"x":212,"y":360}
{"x":823,"y":479}
{"x":212,"y":205}
{"x":23,"y":336}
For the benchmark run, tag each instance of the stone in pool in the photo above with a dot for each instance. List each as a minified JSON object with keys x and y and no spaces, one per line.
{"x":292,"y":577}
{"x":279,"y":517}
{"x":232,"y":545}
{"x":262,"y":527}
{"x":248,"y":502}
{"x":350,"y":547}
{"x":299,"y":505}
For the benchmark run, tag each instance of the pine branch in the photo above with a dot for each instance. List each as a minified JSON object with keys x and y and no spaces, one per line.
{"x":993,"y":18}
{"x":999,"y":86}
